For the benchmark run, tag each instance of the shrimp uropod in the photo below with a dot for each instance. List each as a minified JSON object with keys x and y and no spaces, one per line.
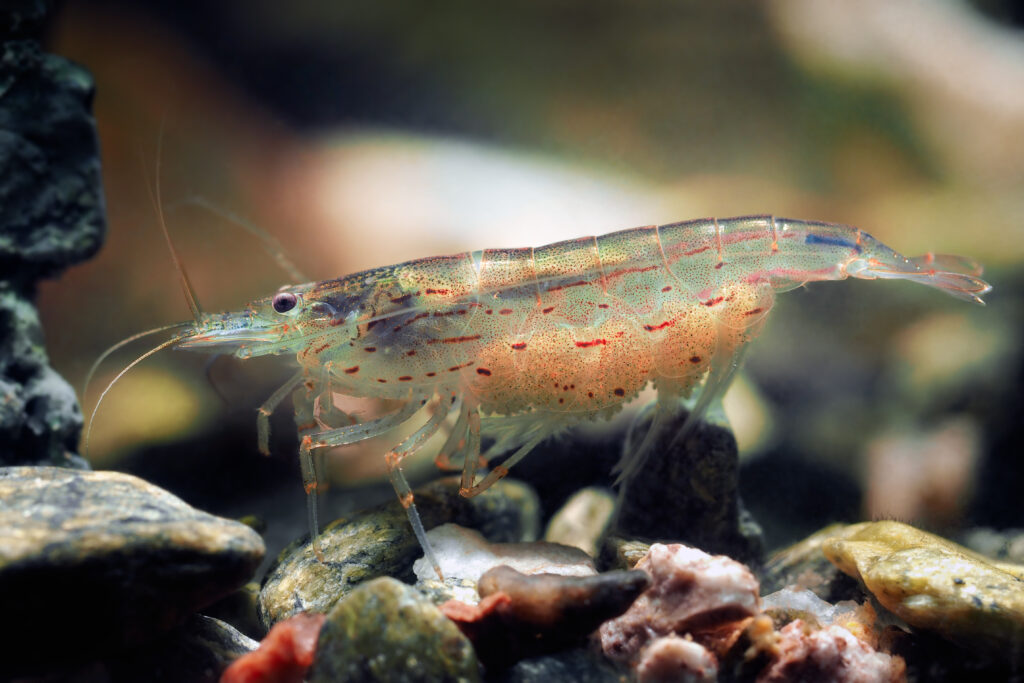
{"x":533,"y":340}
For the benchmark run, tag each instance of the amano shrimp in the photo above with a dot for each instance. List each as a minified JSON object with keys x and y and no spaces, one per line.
{"x":521,"y":343}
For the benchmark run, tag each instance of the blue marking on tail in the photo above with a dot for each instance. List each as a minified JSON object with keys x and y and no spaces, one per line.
{"x":834,"y":241}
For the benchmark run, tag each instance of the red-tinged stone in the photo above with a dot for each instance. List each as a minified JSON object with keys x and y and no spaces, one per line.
{"x":706,"y":597}
{"x":523,"y":615}
{"x":829,"y":654}
{"x":284,"y":656}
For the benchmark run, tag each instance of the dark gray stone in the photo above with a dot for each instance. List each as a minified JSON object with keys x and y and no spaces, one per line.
{"x":572,"y":665}
{"x":39,"y":415}
{"x":198,"y":651}
{"x":51,"y":200}
{"x":687,"y":491}
{"x":380,"y":542}
{"x":51,"y":216}
{"x":100,"y":561}
{"x":387,"y":631}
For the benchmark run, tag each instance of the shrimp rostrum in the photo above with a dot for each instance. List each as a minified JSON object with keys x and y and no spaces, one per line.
{"x":520,"y":343}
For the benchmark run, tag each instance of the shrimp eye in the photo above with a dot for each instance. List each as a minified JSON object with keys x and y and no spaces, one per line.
{"x":284,"y":302}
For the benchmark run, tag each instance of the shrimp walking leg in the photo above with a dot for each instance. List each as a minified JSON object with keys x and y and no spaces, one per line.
{"x":264,"y":412}
{"x":456,"y":442}
{"x":471,"y":452}
{"x":394,"y":460}
{"x":309,"y":442}
{"x":501,"y":470}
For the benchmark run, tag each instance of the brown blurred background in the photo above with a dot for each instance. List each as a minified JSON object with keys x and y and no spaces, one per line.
{"x":360,"y":134}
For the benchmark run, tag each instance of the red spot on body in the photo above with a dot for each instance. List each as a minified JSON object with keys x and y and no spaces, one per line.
{"x":320,"y":348}
{"x":718,"y":266}
{"x":405,"y":378}
{"x":712,"y":302}
{"x":592,"y":342}
{"x":619,"y":391}
{"x":590,"y":394}
{"x":667,"y":288}
{"x":436,"y":291}
{"x":489,"y":311}
{"x":571,"y":284}
{"x":483,"y":371}
{"x":411,"y":353}
{"x":519,"y":346}
{"x":505,"y":311}
{"x":654,"y":328}
{"x":753,"y":311}
{"x":431,"y":374}
{"x":602,"y":305}
{"x":382,"y":381}
{"x":461,"y":311}
{"x":352,"y":370}
{"x":369,"y":349}
{"x":694,"y":359}
{"x":454,"y":340}
{"x":548,"y":309}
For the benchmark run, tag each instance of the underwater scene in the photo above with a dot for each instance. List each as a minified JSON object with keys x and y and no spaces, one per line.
{"x":545,"y":341}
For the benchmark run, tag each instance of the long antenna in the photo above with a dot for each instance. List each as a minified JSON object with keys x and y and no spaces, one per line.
{"x":186,"y":284}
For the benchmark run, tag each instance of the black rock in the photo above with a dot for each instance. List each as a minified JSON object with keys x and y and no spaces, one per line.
{"x":687,"y":492}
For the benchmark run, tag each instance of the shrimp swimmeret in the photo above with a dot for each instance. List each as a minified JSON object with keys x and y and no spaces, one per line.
{"x":536,"y":339}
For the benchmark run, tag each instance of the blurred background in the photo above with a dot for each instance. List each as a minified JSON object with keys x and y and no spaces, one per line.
{"x":362,"y":134}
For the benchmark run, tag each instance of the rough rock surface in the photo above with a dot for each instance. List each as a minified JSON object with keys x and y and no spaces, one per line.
{"x":829,"y":654}
{"x":379,"y":542}
{"x":689,"y":491}
{"x":692,"y":592}
{"x":51,"y":215}
{"x":102,"y":560}
{"x":385,"y":630}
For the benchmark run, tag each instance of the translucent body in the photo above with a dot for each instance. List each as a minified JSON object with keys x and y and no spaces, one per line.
{"x":537,"y":338}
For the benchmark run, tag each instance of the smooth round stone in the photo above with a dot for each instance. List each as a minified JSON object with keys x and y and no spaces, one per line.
{"x":385,"y":630}
{"x":95,"y":561}
{"x":379,"y":542}
{"x":936,"y":585}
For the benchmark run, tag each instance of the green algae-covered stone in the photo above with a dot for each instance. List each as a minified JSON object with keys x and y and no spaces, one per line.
{"x":380,"y":542}
{"x":937,"y":585}
{"x":385,"y":630}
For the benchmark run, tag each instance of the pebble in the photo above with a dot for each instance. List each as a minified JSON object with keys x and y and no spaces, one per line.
{"x":673,"y":659}
{"x":198,"y":651}
{"x":689,"y":490}
{"x":385,"y":630}
{"x":936,"y":585}
{"x":101,"y":560}
{"x":521,"y":616}
{"x":379,"y":542}
{"x":829,"y":654}
{"x":582,"y":520}
{"x":578,"y":664}
{"x":284,"y":655}
{"x":691,"y":592}
{"x":466,"y":554}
